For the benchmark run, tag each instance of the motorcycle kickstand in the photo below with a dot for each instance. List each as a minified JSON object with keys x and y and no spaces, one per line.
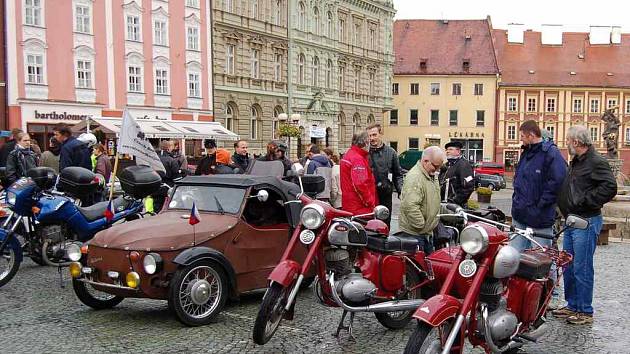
{"x":59,"y":270}
{"x":348,"y":328}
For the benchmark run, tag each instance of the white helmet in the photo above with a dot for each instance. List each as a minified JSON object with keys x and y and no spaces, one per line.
{"x":87,"y":138}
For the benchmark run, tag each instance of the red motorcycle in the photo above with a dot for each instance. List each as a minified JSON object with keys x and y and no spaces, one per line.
{"x":359,"y":268}
{"x":492,"y":294}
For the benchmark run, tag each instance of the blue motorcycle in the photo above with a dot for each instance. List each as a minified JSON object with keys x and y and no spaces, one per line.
{"x":50,"y":226}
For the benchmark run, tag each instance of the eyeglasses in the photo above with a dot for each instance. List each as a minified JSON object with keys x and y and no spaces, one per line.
{"x":436,"y":167}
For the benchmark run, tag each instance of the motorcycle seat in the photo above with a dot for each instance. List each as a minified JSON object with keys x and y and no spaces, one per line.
{"x":379,"y":243}
{"x":97,"y":211}
{"x":534,"y":265}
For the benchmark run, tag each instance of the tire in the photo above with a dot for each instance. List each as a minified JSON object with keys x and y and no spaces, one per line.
{"x":87,"y":295}
{"x":491,"y":186}
{"x":9,"y":264}
{"x":306,"y":283}
{"x":270,"y":313}
{"x":198,"y":293}
{"x":400,"y":319}
{"x":425,"y":338}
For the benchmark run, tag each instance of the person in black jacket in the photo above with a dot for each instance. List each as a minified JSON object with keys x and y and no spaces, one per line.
{"x":21,"y":159}
{"x":459,"y":173}
{"x":172,"y":172}
{"x":208,"y":163}
{"x":383,"y":161}
{"x":589,"y":185}
{"x":241,"y":158}
{"x":9,"y":146}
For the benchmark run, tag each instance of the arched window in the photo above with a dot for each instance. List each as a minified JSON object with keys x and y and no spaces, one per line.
{"x":255,"y":121}
{"x":329,"y":25}
{"x":316,"y":20}
{"x":356,"y":121}
{"x":278,"y":11}
{"x":301,"y":16}
{"x":301,"y":63}
{"x":315,"y":71}
{"x":329,"y":67}
{"x":277,"y":121}
{"x":370,"y":119}
{"x":230,"y":115}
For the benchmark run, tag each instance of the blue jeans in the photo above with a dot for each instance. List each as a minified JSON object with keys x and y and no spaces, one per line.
{"x":521,"y":244}
{"x":579,"y":275}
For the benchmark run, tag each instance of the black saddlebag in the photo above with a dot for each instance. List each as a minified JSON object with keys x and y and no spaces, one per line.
{"x":377,"y":242}
{"x":140,"y":181}
{"x":77,"y":181}
{"x":534,"y":265}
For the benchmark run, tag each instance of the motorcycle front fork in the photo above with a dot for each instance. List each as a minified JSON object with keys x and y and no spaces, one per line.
{"x":9,"y":234}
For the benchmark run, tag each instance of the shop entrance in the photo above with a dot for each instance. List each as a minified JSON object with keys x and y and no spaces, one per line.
{"x":40,"y":133}
{"x":473,"y":149}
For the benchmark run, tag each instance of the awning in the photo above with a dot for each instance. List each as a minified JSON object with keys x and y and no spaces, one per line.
{"x":165,"y":129}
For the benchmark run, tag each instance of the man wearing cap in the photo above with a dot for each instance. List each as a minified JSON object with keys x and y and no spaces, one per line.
{"x":457,"y":174}
{"x":207,"y":165}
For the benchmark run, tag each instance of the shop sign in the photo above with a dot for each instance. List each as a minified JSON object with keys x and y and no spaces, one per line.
{"x":61,"y":116}
{"x":317,"y":132}
{"x":465,"y":135}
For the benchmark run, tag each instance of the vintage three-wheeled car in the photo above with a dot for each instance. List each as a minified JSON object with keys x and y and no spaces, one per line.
{"x":245,"y":224}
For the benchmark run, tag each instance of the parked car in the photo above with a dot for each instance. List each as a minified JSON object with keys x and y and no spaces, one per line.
{"x":493,"y":182}
{"x":409,"y":158}
{"x":490,"y":168}
{"x":245,"y":224}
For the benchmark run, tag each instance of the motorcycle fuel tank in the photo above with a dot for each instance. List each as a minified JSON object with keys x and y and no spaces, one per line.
{"x":506,"y":262}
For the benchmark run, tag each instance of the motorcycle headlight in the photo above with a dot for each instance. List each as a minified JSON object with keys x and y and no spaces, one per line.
{"x":474,"y":239}
{"x":11,"y":197}
{"x":152,"y":263}
{"x":73,"y":252}
{"x":312,"y":216}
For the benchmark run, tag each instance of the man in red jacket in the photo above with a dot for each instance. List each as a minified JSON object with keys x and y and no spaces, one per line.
{"x":358,"y":186}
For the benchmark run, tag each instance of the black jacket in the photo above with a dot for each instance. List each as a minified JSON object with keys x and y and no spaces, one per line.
{"x":170,"y":165}
{"x":19,"y":162}
{"x":206,"y":165}
{"x":461,"y":183}
{"x":589,"y":185}
{"x":242,"y":162}
{"x":6,"y":149}
{"x":383,"y":161}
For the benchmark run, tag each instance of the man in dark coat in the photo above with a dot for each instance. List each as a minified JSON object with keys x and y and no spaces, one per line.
{"x":73,"y":151}
{"x":208,"y":163}
{"x":457,"y":174}
{"x":241,"y":158}
{"x":9,"y":146}
{"x":383,"y":162}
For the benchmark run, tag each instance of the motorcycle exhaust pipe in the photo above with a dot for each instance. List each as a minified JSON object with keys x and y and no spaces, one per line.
{"x":486,"y":328}
{"x":389,"y":306}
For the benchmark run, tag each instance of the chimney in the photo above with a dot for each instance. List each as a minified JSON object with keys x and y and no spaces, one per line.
{"x":615,"y":35}
{"x":551,"y":34}
{"x":515,"y":32}
{"x":466,"y":65}
{"x":600,"y":35}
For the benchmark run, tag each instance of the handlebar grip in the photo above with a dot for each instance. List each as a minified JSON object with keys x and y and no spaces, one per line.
{"x":452,"y":207}
{"x":544,"y":235}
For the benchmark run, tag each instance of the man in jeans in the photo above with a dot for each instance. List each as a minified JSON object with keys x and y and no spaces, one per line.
{"x":589,"y":185}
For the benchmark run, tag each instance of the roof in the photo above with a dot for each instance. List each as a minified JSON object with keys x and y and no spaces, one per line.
{"x":552,"y":65}
{"x":244,"y":181}
{"x":443,"y":46}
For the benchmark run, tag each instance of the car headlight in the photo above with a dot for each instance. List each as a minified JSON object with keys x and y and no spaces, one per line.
{"x":11,"y":197}
{"x":474,"y":239}
{"x":73,"y":252}
{"x":312,"y":216}
{"x":152,"y":263}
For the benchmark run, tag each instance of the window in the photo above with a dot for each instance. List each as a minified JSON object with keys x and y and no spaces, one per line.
{"x":316,"y":23}
{"x":435,"y":88}
{"x":84,"y":74}
{"x":357,"y":80}
{"x":229,"y":60}
{"x":627,"y":135}
{"x":414,"y":89}
{"x":612,"y":102}
{"x":35,"y":69}
{"x":577,"y":105}
{"x":552,"y":131}
{"x":255,"y":64}
{"x":435,"y":117}
{"x":478,"y":90}
{"x":301,"y":16}
{"x":229,"y":6}
{"x":371,"y":82}
{"x":254,"y":124}
{"x":628,"y":107}
{"x":159,"y":33}
{"x":161,"y":82}
{"x":342,"y":77}
{"x":229,"y":118}
{"x":393,"y":117}
{"x":551,"y":104}
{"x":413,"y":117}
{"x":193,"y":85}
{"x":278,"y":17}
{"x":372,"y":38}
{"x":82,"y":19}
{"x":413,"y":144}
{"x":481,"y":118}
{"x":531,"y":104}
{"x":594,"y":134}
{"x":511,"y":104}
{"x":254,"y":8}
{"x":395,"y":88}
{"x":33,"y":12}
{"x":511,"y":132}
{"x":315,"y":72}
{"x":342,"y":30}
{"x":193,"y":38}
{"x":452,"y":118}
{"x":192,"y":3}
{"x":329,"y":68}
{"x":329,"y":25}
{"x":135,"y":79}
{"x":277,"y":68}
{"x":595,"y":106}
{"x":393,"y":145}
{"x":133,"y":28}
{"x":457,"y":89}
{"x":357,"y":35}
{"x":301,"y":69}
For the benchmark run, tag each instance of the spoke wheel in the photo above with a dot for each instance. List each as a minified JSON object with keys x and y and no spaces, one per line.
{"x":400,"y":319}
{"x":198,"y":293}
{"x":270,"y":313}
{"x":8,"y":264}
{"x":427,"y":339}
{"x":93,"y":298}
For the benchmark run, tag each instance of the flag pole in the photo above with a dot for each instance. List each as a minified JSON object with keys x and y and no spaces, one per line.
{"x":112,"y":177}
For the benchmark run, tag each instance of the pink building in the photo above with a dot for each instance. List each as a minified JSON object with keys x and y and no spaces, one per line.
{"x":68,"y":59}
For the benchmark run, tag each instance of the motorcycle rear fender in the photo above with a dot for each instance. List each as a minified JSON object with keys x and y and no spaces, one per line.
{"x":285,"y":272}
{"x":438,"y":309}
{"x":13,"y":243}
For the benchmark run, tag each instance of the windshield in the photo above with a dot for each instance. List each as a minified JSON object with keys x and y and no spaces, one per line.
{"x":208,"y":198}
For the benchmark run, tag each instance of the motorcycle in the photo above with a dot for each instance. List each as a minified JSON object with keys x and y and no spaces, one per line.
{"x":494,"y":295}
{"x":359,"y":268}
{"x":49,"y":226}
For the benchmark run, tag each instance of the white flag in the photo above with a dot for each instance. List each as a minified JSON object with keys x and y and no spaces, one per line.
{"x":132,"y":141}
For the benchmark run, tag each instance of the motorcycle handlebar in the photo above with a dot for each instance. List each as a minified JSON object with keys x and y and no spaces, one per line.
{"x":544,"y":235}
{"x":452,"y":207}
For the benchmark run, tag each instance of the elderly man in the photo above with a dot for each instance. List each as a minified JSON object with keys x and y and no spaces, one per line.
{"x":420,"y":198}
{"x":457,"y":175}
{"x":589,"y":185}
{"x":358,"y":190}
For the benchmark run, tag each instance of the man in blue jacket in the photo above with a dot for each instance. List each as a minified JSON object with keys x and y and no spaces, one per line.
{"x":73,"y":152}
{"x":537,"y":181}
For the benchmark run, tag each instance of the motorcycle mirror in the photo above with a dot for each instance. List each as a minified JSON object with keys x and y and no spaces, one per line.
{"x":576,"y":222}
{"x":262,"y":195}
{"x":381,"y":212}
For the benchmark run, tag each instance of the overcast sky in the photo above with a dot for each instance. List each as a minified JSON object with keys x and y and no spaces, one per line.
{"x":575,"y":15}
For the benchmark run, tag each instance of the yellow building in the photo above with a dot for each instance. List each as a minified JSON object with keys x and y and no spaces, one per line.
{"x":444,"y":87}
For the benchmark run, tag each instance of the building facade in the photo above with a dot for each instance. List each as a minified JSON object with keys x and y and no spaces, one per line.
{"x":3,"y":72}
{"x":561,"y":79}
{"x":444,"y":92}
{"x":71,"y":59}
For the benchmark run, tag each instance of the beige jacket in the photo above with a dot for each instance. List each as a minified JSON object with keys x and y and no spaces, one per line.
{"x":420,"y":202}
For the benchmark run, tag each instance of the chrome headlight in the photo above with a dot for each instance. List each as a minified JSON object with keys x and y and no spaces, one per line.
{"x":11,"y":197}
{"x":73,"y":252}
{"x":312,"y":216}
{"x":152,"y":263}
{"x":474,"y":239}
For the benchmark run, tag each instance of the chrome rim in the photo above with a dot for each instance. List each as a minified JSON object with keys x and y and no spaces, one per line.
{"x":200,"y":291}
{"x":276,"y":315}
{"x":7,"y":261}
{"x":97,"y":294}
